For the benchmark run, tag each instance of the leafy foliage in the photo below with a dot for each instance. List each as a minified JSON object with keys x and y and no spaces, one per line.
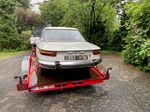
{"x":11,"y":24}
{"x":137,"y":50}
{"x":94,"y":18}
{"x":25,"y":36}
{"x":26,"y":19}
{"x":53,"y":11}
{"x":23,"y":3}
{"x":117,"y":41}
{"x":9,"y":38}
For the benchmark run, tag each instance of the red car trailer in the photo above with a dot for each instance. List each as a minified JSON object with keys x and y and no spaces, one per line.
{"x":34,"y":80}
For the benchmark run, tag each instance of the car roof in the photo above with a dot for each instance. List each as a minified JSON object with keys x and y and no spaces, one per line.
{"x":61,"y":28}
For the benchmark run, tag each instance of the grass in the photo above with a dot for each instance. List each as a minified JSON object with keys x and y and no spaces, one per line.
{"x":9,"y":54}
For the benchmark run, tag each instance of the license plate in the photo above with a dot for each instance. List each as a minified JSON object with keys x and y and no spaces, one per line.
{"x":78,"y":57}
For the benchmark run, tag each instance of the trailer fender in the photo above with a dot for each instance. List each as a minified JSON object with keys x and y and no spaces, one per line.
{"x":24,"y":66}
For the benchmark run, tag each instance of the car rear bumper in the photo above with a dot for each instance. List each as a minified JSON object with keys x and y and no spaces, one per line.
{"x":68,"y":64}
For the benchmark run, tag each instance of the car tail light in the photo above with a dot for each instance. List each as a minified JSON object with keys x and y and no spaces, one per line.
{"x":48,"y":53}
{"x":95,"y":52}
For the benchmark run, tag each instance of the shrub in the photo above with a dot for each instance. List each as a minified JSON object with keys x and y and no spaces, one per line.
{"x":137,"y":49}
{"x":25,"y":36}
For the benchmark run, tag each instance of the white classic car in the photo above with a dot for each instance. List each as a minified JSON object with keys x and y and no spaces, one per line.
{"x":63,"y":48}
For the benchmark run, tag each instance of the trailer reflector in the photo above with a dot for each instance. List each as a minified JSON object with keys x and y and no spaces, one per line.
{"x":42,"y":87}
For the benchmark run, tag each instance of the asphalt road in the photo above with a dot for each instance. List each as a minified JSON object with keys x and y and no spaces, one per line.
{"x":128,"y":90}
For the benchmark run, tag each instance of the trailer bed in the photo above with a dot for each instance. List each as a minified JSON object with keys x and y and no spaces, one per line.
{"x":63,"y":75}
{"x":65,"y":78}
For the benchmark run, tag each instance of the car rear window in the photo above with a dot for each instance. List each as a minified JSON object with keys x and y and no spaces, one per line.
{"x":67,"y":35}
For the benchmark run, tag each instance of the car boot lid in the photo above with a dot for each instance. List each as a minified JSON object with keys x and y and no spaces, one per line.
{"x":66,"y":46}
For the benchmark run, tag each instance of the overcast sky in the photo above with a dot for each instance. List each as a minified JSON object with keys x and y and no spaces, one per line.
{"x":35,"y":7}
{"x":35,"y":1}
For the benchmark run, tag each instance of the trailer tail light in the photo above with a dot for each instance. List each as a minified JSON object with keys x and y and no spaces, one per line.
{"x":48,"y":53}
{"x":95,"y":52}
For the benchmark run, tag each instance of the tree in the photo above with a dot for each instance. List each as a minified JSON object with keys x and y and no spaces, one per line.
{"x":23,"y":3}
{"x":53,"y":11}
{"x":26,"y":19}
{"x":117,"y":41}
{"x":9,"y":38}
{"x":94,"y":18}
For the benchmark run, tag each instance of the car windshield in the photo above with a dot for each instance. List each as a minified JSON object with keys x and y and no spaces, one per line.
{"x":62,"y":35}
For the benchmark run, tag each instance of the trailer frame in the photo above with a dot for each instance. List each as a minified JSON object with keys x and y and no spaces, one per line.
{"x":29,"y":78}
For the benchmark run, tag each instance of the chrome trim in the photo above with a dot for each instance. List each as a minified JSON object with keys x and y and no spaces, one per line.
{"x":69,"y":64}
